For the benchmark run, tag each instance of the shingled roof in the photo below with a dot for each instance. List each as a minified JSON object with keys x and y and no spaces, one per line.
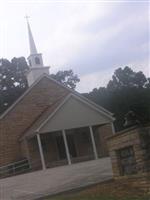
{"x":46,"y":99}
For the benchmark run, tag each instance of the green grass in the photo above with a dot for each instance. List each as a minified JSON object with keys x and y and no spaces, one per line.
{"x":108,"y":190}
{"x":98,"y":197}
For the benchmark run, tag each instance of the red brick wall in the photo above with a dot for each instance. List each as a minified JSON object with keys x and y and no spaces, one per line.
{"x":34,"y":154}
{"x":16,"y":121}
{"x":101,"y":134}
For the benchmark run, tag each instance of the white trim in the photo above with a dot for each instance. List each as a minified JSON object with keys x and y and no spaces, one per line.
{"x":93,"y":143}
{"x":113,"y":128}
{"x":41,"y":152}
{"x":61,"y":105}
{"x":66,"y":147}
{"x":53,"y":113}
{"x":92,"y":105}
{"x":35,"y":68}
{"x":72,"y":91}
{"x":21,"y":97}
{"x":78,"y":94}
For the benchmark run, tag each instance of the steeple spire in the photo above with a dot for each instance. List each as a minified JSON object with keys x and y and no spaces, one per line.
{"x":33,"y":49}
{"x":36,"y":67}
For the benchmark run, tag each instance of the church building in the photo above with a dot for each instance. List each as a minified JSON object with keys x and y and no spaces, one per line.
{"x":51,"y":125}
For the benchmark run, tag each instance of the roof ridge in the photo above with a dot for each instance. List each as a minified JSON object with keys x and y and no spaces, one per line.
{"x":58,"y":83}
{"x":20,"y":98}
{"x":65,"y":100}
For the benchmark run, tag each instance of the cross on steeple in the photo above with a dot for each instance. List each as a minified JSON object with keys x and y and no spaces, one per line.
{"x":27,"y":17}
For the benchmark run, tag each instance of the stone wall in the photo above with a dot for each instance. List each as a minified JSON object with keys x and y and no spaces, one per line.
{"x":129,"y":155}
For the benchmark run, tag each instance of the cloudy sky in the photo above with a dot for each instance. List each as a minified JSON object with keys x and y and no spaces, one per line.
{"x":91,"y":37}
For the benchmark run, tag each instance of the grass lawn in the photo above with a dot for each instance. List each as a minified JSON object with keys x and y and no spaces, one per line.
{"x":98,"y":198}
{"x":110,"y":190}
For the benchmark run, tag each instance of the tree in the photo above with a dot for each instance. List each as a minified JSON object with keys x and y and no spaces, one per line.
{"x":67,"y":78}
{"x":127,"y":91}
{"x":147,"y":85}
{"x":12,"y":81}
{"x":127,"y":78}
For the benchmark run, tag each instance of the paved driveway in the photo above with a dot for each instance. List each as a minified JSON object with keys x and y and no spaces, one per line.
{"x":51,"y":181}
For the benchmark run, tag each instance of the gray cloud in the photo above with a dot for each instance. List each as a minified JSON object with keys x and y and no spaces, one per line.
{"x":92,"y":38}
{"x":129,"y":44}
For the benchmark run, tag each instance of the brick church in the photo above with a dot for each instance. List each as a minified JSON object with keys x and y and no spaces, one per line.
{"x":51,"y":125}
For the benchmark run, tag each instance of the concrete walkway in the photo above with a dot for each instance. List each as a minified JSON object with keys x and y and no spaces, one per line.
{"x":51,"y":181}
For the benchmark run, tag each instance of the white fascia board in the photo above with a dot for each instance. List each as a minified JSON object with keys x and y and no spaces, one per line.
{"x":52,"y":114}
{"x":22,"y":96}
{"x":80,"y":99}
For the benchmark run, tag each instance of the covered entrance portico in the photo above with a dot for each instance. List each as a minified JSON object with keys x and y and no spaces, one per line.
{"x":76,"y":131}
{"x":63,"y":147}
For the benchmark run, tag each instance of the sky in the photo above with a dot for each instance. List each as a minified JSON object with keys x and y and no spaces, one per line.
{"x":93,"y":38}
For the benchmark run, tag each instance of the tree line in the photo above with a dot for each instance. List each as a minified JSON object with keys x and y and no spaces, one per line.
{"x":127,"y":94}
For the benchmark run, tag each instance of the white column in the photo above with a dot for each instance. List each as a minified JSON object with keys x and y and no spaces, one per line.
{"x":113,"y":128}
{"x":41,"y":152}
{"x":93,"y":143}
{"x":66,"y":147}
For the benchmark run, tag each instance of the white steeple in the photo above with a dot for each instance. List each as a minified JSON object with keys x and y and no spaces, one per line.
{"x":33,"y":49}
{"x":35,"y":60}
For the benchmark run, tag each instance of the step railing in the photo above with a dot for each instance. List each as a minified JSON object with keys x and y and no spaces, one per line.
{"x":14,"y":168}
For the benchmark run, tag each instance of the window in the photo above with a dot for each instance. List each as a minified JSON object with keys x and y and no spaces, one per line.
{"x":127,"y":161}
{"x":37,"y":60}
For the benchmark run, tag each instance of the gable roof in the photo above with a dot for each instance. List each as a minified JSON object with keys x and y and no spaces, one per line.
{"x":34,"y":126}
{"x":60,"y":84}
{"x":51,"y":112}
{"x":64,"y":102}
{"x":75,"y":109}
{"x":25,"y":93}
